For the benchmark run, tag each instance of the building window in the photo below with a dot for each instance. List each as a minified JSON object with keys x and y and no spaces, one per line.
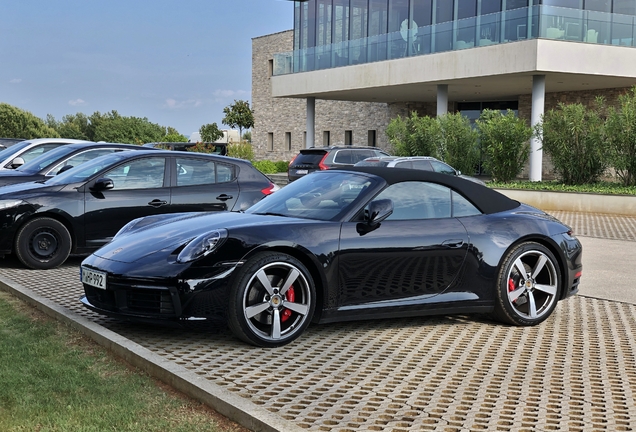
{"x":326,"y":139}
{"x":288,"y":141}
{"x":348,"y":137}
{"x":271,"y":67}
{"x":371,"y":140}
{"x":270,"y":141}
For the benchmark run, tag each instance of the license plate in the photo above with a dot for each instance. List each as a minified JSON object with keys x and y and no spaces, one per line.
{"x":301,"y":172}
{"x":94,"y":278}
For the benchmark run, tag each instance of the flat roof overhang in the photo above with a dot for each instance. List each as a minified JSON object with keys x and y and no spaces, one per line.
{"x":494,"y":72}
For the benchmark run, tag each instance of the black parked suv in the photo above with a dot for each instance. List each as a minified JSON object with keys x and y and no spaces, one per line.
{"x":322,"y":158}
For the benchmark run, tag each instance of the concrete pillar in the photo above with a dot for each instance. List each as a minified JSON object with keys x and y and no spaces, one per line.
{"x":442,"y":99}
{"x":538,"y":107}
{"x":311,"y":122}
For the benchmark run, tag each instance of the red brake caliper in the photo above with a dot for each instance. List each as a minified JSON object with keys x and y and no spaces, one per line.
{"x":511,"y":285}
{"x":290,"y":296}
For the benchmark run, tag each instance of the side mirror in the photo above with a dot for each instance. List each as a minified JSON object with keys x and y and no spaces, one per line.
{"x":64,"y":168}
{"x":17,"y":162}
{"x":102,"y":184}
{"x":379,"y":210}
{"x":458,"y":172}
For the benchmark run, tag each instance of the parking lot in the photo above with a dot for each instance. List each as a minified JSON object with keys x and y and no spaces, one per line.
{"x":576,"y":371}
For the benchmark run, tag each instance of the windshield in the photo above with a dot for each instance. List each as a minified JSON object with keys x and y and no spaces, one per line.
{"x":46,"y":159}
{"x":84,"y":171}
{"x":322,"y":195}
{"x":9,"y":151}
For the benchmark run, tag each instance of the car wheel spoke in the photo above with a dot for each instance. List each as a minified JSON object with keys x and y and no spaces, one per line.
{"x":520,"y":268}
{"x":548,"y":289}
{"x":252,"y":311}
{"x":532,"y":306}
{"x":297,"y":307}
{"x":514,"y":295}
{"x":539,"y":266}
{"x":276,"y":325}
{"x":264,"y":280}
{"x":291,"y":278}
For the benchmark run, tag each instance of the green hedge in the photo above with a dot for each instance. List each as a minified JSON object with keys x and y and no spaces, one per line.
{"x":555,"y":186}
{"x":269,"y":167}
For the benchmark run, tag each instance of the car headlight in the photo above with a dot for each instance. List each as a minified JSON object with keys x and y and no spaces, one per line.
{"x":202,"y":245}
{"x":5,"y":204}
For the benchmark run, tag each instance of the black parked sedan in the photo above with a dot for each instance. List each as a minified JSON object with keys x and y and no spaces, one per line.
{"x":60,"y":159}
{"x":81,"y":209}
{"x":336,"y":245}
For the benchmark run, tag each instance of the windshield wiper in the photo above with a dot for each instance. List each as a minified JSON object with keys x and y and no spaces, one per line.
{"x":272,"y":214}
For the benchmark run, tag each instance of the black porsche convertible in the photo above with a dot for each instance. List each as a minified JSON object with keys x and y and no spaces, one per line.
{"x":337,"y":245}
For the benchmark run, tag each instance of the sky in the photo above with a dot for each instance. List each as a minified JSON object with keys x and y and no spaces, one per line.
{"x":176,"y":62}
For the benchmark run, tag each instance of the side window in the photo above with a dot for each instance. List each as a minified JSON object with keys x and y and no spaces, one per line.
{"x":192,"y":172}
{"x":343,"y":157}
{"x":224,"y":173}
{"x":463,"y":207}
{"x":80,"y":159}
{"x":34,"y":152}
{"x":422,"y":165}
{"x":405,"y":164}
{"x":441,"y":167}
{"x":360,"y":155}
{"x":145,"y":173}
{"x":418,"y":200}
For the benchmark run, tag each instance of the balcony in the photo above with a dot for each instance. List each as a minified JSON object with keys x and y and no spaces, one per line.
{"x":536,"y":22}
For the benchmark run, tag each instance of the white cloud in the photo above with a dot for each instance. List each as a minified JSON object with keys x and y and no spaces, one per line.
{"x":226,"y":94}
{"x":15,"y":81}
{"x":77,"y":102}
{"x":175,"y":104}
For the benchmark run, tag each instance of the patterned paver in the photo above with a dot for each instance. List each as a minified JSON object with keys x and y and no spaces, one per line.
{"x":576,"y":371}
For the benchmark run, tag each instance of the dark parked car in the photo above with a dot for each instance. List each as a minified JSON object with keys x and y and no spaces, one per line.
{"x":340,"y":245}
{"x":218,"y":148}
{"x":81,"y":209}
{"x":322,"y":158}
{"x":25,"y":151}
{"x":426,"y":163}
{"x":60,"y":159}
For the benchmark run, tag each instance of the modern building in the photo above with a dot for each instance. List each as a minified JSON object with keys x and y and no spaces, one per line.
{"x":349,"y":66}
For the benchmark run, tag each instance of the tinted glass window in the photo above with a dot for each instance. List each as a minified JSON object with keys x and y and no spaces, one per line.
{"x":309,"y":158}
{"x":344,"y":157}
{"x":191,"y":172}
{"x":463,"y":207}
{"x":422,"y":165}
{"x":405,"y":164}
{"x":34,"y":152}
{"x":79,"y":159}
{"x":145,"y":173}
{"x":358,"y":155}
{"x":418,"y":200}
{"x":441,"y":167}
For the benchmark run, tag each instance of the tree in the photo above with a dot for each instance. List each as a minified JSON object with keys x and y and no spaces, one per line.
{"x":173,"y":136}
{"x":17,"y":123}
{"x":504,"y":140}
{"x":210,"y":132}
{"x":414,"y":135}
{"x":238,"y":115}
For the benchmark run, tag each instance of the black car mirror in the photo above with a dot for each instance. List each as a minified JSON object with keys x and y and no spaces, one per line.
{"x":379,"y":210}
{"x":103,"y":184}
{"x":17,"y":162}
{"x":64,"y":168}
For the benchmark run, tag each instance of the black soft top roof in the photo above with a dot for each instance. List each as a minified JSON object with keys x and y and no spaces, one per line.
{"x":487,"y":200}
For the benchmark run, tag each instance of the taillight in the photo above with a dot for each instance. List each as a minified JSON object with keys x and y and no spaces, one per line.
{"x":321,"y":165}
{"x":292,"y":161}
{"x":270,"y":189}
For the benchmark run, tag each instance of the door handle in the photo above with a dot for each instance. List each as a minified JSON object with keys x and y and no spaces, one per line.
{"x":454,"y":244}
{"x":157,"y":203}
{"x":224,"y":197}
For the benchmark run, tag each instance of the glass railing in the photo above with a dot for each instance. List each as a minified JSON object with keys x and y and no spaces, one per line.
{"x":546,"y":22}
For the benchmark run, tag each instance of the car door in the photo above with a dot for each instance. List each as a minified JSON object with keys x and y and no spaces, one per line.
{"x":140,"y":189}
{"x":203,"y":184}
{"x":416,"y":253}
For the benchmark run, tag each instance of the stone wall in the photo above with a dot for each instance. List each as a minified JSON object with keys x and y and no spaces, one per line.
{"x":287,"y":115}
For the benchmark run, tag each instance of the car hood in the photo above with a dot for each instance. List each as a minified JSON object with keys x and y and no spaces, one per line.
{"x":25,"y":190}
{"x":165,"y":233}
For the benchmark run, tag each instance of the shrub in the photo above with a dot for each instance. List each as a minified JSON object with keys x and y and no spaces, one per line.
{"x":266,"y":166}
{"x":281,"y":166}
{"x":414,"y":135}
{"x":574,"y":138}
{"x":621,"y":136}
{"x":241,"y":150}
{"x":458,"y":144}
{"x":504,"y":140}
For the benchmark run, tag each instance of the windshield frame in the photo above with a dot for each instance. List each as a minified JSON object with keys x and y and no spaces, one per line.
{"x":85,"y":171}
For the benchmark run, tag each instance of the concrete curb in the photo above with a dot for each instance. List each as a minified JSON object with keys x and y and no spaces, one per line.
{"x":223,"y":401}
{"x":575,"y":202}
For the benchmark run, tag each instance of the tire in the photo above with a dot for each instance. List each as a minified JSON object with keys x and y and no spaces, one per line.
{"x":528,"y":285}
{"x":260,"y":308}
{"x":43,"y":243}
